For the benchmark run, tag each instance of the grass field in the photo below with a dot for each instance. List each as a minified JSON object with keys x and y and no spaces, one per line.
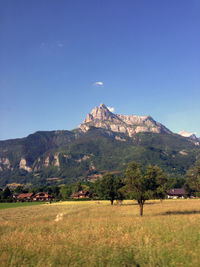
{"x":98,"y":234}
{"x":18,"y":204}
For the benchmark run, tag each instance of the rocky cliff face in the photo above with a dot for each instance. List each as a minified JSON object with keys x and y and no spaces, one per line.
{"x":101,"y":117}
{"x":4,"y":163}
{"x":23,"y":165}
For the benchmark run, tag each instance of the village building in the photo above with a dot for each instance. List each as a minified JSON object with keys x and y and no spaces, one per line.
{"x":81,"y":194}
{"x":25,"y":197}
{"x":176,"y":193}
{"x":42,"y":196}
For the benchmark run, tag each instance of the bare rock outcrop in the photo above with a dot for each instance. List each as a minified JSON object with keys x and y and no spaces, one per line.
{"x":5,"y":162}
{"x":56,"y":160}
{"x":23,"y":165}
{"x":47,"y":162}
{"x":102,"y":117}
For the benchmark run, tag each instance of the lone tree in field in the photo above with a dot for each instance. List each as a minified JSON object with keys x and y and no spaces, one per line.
{"x":145,"y":185}
{"x":108,"y":188}
{"x":193,"y":179}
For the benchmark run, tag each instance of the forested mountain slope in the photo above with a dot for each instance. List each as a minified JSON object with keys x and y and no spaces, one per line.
{"x":103,"y":142}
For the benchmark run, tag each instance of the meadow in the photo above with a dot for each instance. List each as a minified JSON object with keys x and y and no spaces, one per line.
{"x":94,"y":233}
{"x":18,"y":204}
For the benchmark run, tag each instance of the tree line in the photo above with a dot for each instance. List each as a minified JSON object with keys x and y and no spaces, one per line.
{"x":137,"y":183}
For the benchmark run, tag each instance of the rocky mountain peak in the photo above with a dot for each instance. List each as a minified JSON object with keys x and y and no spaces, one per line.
{"x":102,"y":117}
{"x":101,"y":113}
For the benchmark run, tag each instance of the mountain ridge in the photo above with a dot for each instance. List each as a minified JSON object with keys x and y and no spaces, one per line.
{"x":104,"y":141}
{"x":102,"y":117}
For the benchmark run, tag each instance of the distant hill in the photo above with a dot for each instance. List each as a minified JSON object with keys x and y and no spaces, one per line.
{"x":103,"y":142}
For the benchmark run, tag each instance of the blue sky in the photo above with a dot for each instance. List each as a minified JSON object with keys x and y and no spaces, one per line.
{"x":144,"y":53}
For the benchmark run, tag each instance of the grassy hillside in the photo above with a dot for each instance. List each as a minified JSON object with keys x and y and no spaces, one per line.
{"x":98,"y":234}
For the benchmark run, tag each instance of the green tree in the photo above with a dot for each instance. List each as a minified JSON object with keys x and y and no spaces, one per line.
{"x":94,"y":189}
{"x":54,"y":191}
{"x":20,"y":189}
{"x":6,"y":193}
{"x":77,"y":187}
{"x":159,"y":180}
{"x":65,"y":192}
{"x":193,"y":179}
{"x":1,"y":193}
{"x":108,"y":188}
{"x":144,"y":185}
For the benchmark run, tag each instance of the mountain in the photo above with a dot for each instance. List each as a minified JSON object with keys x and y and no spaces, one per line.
{"x":189,"y":135}
{"x":103,"y":142}
{"x":101,"y":117}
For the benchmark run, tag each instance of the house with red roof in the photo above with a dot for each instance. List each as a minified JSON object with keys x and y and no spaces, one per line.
{"x":176,"y":193}
{"x":81,"y":194}
{"x":42,"y":196}
{"x":25,"y":197}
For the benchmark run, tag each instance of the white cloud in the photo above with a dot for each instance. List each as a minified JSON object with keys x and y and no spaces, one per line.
{"x":51,"y":45}
{"x":59,"y":44}
{"x":111,"y":109}
{"x":98,"y":84}
{"x":42,"y":45}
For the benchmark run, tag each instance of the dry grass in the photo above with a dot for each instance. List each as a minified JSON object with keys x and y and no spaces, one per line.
{"x":93,"y":234}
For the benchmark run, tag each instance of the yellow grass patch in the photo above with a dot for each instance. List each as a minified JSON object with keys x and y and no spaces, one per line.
{"x":94,"y":233}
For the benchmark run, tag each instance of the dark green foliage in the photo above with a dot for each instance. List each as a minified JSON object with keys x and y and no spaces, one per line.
{"x":20,"y":189}
{"x":65,"y":192}
{"x":108,"y":188}
{"x":176,"y":182}
{"x":158,"y":181}
{"x":192,"y":185}
{"x":144,"y":185}
{"x":85,"y":154}
{"x":5,"y":195}
{"x":77,"y":187}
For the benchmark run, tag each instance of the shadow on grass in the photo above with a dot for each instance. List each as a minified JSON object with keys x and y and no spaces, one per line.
{"x":136,"y":204}
{"x":186,"y":212}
